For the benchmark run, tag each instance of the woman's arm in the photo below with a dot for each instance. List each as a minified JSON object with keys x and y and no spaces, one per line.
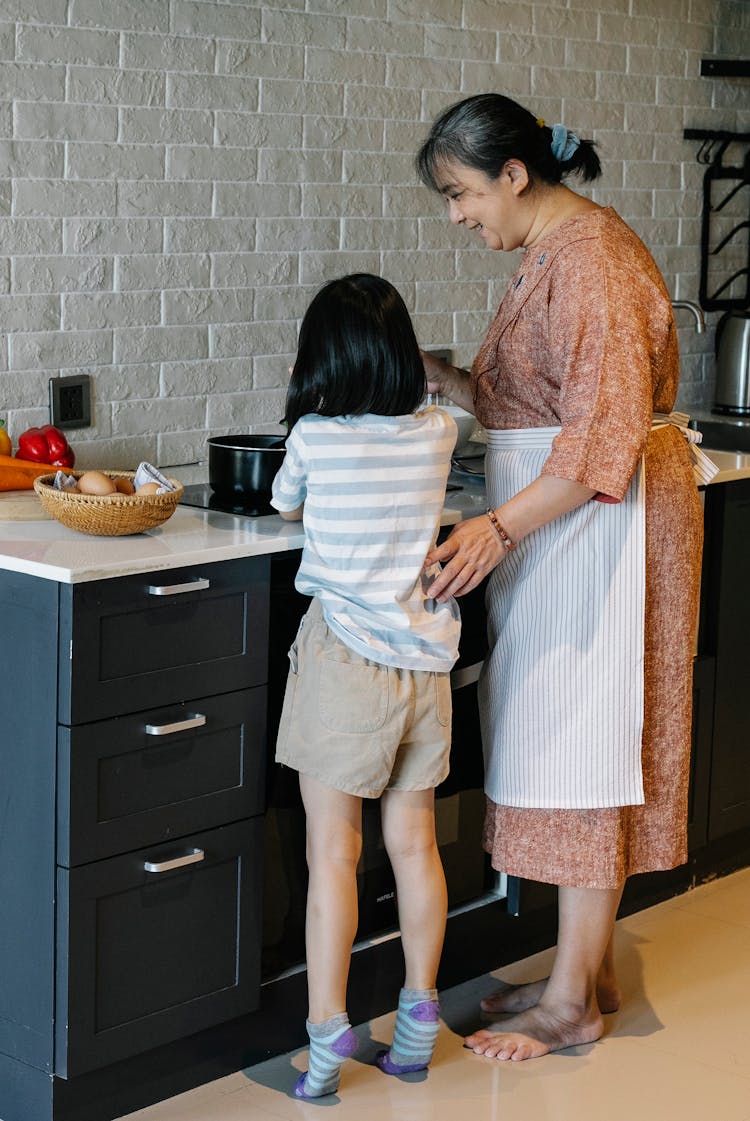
{"x":450,"y":381}
{"x":474,"y":547}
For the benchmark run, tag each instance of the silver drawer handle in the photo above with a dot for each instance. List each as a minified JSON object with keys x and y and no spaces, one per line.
{"x":178,"y":589}
{"x":196,"y":721}
{"x":193,"y":857}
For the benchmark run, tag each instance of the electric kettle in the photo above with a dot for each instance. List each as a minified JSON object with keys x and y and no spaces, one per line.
{"x":732,"y":393}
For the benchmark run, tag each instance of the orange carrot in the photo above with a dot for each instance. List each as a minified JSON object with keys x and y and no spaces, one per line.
{"x":19,"y":474}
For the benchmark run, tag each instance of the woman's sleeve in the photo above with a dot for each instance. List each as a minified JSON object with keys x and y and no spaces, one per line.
{"x":289,"y":487}
{"x":606,"y":325}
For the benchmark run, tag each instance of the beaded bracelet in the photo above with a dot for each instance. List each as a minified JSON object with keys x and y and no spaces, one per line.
{"x":507,"y":542}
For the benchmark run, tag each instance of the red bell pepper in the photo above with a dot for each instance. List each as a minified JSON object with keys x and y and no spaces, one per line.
{"x":45,"y":445}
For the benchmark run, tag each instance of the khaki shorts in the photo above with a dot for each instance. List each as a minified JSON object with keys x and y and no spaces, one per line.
{"x":359,"y":726}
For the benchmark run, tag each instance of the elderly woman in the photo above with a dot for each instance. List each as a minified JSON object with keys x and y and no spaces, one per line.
{"x":593,"y":538}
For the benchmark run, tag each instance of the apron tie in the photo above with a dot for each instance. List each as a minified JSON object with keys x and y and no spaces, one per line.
{"x":704,"y":468}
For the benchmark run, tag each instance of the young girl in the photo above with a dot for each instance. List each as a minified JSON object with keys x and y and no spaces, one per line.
{"x":367,"y":709}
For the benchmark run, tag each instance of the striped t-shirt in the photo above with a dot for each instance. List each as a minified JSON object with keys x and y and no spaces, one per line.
{"x":373,"y":490}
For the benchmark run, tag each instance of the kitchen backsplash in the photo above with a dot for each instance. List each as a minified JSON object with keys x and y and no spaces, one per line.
{"x":179,"y":177}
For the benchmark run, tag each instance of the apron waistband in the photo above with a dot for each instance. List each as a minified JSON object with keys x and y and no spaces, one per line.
{"x":704,"y":469}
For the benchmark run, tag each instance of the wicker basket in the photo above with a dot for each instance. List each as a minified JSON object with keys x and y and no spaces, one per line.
{"x":110,"y":515}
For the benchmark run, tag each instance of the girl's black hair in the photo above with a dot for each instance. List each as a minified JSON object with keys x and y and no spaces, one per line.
{"x":485,"y":131}
{"x":357,"y":353}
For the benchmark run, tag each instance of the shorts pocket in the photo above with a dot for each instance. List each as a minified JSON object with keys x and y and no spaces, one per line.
{"x":444,"y":698}
{"x":353,"y":698}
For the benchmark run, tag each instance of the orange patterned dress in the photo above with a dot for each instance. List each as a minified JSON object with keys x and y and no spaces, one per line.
{"x":585,"y":339}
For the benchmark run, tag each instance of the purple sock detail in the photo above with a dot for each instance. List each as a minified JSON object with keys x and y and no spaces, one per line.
{"x":299,"y":1088}
{"x":386,"y":1064}
{"x":426,"y":1012}
{"x":345,"y":1045}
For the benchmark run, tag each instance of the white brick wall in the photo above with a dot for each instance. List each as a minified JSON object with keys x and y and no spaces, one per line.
{"x":177,"y":176}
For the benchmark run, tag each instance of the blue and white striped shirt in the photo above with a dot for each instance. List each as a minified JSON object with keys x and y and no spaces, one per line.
{"x":373,"y":489}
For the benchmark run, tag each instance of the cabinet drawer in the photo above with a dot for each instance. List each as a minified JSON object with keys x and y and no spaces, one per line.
{"x":159,"y":774}
{"x":160,"y":637}
{"x":147,"y":957}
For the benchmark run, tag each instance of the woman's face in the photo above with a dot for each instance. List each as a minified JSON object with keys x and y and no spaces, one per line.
{"x":491,"y":207}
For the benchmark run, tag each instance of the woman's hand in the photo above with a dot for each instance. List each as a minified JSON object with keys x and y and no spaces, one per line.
{"x":449,"y":381}
{"x":471,"y":551}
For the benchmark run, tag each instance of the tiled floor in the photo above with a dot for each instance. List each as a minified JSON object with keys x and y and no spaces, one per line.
{"x":678,"y":1050}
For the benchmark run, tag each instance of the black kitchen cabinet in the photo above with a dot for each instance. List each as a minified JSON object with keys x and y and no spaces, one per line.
{"x":728,"y":507}
{"x":133,"y":770}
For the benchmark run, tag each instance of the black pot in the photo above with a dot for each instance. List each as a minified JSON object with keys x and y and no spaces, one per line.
{"x":242,"y":468}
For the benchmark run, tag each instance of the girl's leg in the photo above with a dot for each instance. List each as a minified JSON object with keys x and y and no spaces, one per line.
{"x":334,"y":843}
{"x":408,"y":820}
{"x":567,"y":1012}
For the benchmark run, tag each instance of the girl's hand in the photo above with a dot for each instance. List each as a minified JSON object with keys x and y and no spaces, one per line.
{"x":472,"y":550}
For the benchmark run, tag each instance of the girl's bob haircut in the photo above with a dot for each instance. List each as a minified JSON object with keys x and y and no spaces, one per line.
{"x":357,"y":353}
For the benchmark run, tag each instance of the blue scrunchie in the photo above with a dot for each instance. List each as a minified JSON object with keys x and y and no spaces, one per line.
{"x":564,"y":143}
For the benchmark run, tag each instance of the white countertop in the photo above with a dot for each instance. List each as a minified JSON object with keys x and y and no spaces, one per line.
{"x":191,"y":536}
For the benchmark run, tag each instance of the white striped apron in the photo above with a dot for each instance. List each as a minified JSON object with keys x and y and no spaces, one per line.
{"x":561,"y":692}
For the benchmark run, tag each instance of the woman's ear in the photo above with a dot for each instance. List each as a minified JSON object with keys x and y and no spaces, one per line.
{"x":518,"y":175}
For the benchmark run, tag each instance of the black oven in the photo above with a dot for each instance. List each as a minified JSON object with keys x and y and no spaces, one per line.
{"x":459,"y":805}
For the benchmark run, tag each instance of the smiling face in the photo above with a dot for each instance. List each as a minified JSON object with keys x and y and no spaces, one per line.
{"x":493,"y":208}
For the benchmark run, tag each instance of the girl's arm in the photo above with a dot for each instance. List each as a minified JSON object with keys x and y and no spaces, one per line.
{"x":474,"y":548}
{"x":293,"y":515}
{"x":450,"y":381}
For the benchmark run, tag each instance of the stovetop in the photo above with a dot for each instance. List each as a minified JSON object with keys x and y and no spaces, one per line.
{"x":203,"y":496}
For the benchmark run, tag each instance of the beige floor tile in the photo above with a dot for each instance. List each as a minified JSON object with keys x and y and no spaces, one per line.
{"x":678,"y":1050}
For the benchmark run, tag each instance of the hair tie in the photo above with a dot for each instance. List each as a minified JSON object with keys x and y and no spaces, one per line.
{"x":564,"y":143}
{"x":540,"y":122}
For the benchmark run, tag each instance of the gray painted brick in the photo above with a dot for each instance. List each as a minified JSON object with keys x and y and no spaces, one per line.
{"x":22,"y":159}
{"x":7,"y":41}
{"x":30,"y":81}
{"x":248,"y":270}
{"x":52,"y":349}
{"x":51,"y":198}
{"x":373,"y":233}
{"x":115,"y":235}
{"x":63,"y":273}
{"x":34,"y":11}
{"x":136,"y":15}
{"x":344,"y":66}
{"x":67,"y":45}
{"x":252,"y":130}
{"x":101,"y":86}
{"x":384,"y":38}
{"x":211,"y":92}
{"x":316,"y":267}
{"x":216,"y":163}
{"x":151,"y":270}
{"x":31,"y":235}
{"x":144,"y":198}
{"x":46,"y":120}
{"x":83,"y":310}
{"x":303,"y":29}
{"x":257,"y":200}
{"x":115,"y":161}
{"x":319,"y":201}
{"x":296,"y":233}
{"x":158,"y":416}
{"x":225,"y":305}
{"x":191,"y":379}
{"x":283,"y":166}
{"x":217,"y":21}
{"x":259,"y":60}
{"x":30,"y":313}
{"x":209,"y":235}
{"x":237,"y":411}
{"x":167,"y":52}
{"x":376,"y":101}
{"x":233,"y":340}
{"x":160,"y":344}
{"x":343,"y":133}
{"x":173,"y":126}
{"x":282,"y":96}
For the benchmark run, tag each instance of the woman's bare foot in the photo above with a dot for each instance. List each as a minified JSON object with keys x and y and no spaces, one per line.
{"x":511,"y":999}
{"x":534,"y":1033}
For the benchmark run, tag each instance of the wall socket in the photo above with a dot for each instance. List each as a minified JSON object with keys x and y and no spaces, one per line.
{"x":70,"y":401}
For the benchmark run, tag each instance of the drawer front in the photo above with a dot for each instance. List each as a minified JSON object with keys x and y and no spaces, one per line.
{"x":156,"y":775}
{"x":157,"y":638}
{"x":147,"y":957}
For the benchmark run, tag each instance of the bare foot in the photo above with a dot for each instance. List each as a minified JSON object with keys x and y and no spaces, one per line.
{"x":510,"y":999}
{"x":534,"y":1033}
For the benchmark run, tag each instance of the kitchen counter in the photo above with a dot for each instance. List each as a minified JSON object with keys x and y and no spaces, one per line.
{"x":191,"y":536}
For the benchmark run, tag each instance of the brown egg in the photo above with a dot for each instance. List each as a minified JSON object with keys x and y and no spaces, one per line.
{"x":125,"y":486}
{"x":96,"y":482}
{"x":148,"y":488}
